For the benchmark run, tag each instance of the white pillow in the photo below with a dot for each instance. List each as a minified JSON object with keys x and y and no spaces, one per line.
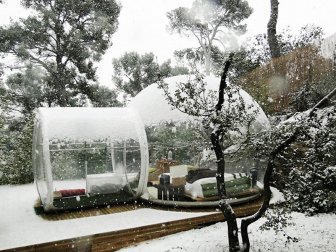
{"x":195,"y":189}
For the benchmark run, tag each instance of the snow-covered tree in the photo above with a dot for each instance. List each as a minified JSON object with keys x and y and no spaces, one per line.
{"x":15,"y":152}
{"x":306,"y":172}
{"x":258,"y":49}
{"x":305,"y":75}
{"x":4,"y":138}
{"x":190,"y":98}
{"x":219,"y":121}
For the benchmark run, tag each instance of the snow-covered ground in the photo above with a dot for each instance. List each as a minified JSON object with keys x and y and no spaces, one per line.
{"x":20,"y":226}
{"x":314,"y":233}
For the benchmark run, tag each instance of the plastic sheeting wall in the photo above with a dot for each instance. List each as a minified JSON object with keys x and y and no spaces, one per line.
{"x":100,"y":149}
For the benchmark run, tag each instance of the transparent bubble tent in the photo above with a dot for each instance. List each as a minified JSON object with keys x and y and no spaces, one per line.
{"x":89,"y":156}
{"x":182,"y":168}
{"x":86,"y":157}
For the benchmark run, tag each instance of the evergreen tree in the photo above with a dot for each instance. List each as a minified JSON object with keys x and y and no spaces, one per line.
{"x":4,"y":139}
{"x":55,"y":50}
{"x":63,"y":39}
{"x":16,"y":167}
{"x":23,"y":91}
{"x":209,"y":22}
{"x":103,"y":97}
{"x":133,"y":72}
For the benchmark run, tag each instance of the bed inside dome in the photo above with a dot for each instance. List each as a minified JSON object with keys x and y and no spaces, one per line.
{"x":86,"y":157}
{"x":182,"y":166}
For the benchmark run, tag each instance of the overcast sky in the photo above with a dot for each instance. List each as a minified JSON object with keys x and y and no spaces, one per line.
{"x":143,"y":25}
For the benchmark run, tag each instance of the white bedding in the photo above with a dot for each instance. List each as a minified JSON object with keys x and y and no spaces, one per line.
{"x":194,"y":190}
{"x":108,"y":182}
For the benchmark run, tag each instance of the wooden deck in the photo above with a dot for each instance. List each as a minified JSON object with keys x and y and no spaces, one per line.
{"x":111,"y":241}
{"x":74,"y":214}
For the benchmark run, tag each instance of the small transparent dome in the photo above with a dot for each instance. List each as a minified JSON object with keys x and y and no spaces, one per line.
{"x":182,"y":164}
{"x":89,"y":156}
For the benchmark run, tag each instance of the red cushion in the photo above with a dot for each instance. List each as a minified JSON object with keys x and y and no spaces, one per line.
{"x":72,"y":192}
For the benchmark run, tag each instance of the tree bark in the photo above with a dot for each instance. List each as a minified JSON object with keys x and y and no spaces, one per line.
{"x":271,"y":30}
{"x":223,"y":203}
{"x":207,"y":57}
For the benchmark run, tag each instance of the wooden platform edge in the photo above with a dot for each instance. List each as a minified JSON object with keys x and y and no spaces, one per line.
{"x":114,"y":240}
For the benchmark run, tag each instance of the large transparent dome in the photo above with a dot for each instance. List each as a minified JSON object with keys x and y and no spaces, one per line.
{"x":182,"y":164}
{"x":153,"y":107}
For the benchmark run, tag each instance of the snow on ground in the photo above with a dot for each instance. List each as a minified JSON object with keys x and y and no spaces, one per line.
{"x":20,"y":226}
{"x":314,"y":233}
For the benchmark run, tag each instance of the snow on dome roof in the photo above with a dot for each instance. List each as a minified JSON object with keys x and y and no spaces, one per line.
{"x":83,"y":123}
{"x":153,"y":108}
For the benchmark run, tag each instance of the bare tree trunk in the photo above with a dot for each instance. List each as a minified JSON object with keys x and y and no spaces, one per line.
{"x":271,"y":30}
{"x":207,"y":61}
{"x":224,"y":205}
